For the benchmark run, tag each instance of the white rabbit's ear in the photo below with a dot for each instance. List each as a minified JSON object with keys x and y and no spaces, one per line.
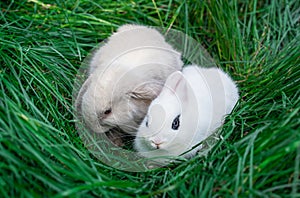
{"x":177,"y":85}
{"x":147,"y":91}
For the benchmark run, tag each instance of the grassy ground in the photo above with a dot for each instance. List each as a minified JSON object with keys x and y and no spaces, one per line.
{"x":43,"y":44}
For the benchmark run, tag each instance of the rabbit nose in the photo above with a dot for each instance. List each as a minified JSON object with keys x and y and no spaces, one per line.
{"x":156,"y":143}
{"x":100,"y":116}
{"x":104,"y":115}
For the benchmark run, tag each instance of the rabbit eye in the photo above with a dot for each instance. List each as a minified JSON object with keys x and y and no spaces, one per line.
{"x":108,"y":111}
{"x":147,"y":124}
{"x":176,"y":123}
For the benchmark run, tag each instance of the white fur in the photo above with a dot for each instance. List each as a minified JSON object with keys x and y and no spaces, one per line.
{"x":201,"y":96}
{"x":126,"y":74}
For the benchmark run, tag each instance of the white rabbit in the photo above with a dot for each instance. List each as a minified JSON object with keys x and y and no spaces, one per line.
{"x":125,"y":75}
{"x":190,"y":107}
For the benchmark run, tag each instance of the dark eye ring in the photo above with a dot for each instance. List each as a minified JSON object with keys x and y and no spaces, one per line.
{"x":176,"y":123}
{"x":108,"y":111}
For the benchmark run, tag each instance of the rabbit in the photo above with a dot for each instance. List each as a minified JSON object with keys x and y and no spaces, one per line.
{"x":190,"y":107}
{"x":131,"y":37}
{"x":124,"y":76}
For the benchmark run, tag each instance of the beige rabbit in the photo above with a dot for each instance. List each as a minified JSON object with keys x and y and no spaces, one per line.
{"x":125,"y":75}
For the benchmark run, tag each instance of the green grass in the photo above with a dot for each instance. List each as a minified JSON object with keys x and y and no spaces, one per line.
{"x":43,"y":44}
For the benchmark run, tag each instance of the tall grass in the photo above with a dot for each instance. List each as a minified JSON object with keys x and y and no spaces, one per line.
{"x":42,"y":44}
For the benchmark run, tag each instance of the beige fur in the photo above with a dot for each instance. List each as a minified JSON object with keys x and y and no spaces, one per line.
{"x":125,"y":75}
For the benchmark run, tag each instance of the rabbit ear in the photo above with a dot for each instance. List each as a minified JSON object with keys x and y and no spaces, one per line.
{"x":146,"y":91}
{"x":177,"y":85}
{"x":80,"y":94}
{"x":128,"y":27}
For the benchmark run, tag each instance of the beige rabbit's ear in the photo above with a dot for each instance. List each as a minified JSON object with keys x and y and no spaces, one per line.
{"x":129,"y":27}
{"x":147,"y":91}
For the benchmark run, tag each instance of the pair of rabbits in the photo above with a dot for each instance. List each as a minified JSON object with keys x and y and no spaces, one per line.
{"x":136,"y":83}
